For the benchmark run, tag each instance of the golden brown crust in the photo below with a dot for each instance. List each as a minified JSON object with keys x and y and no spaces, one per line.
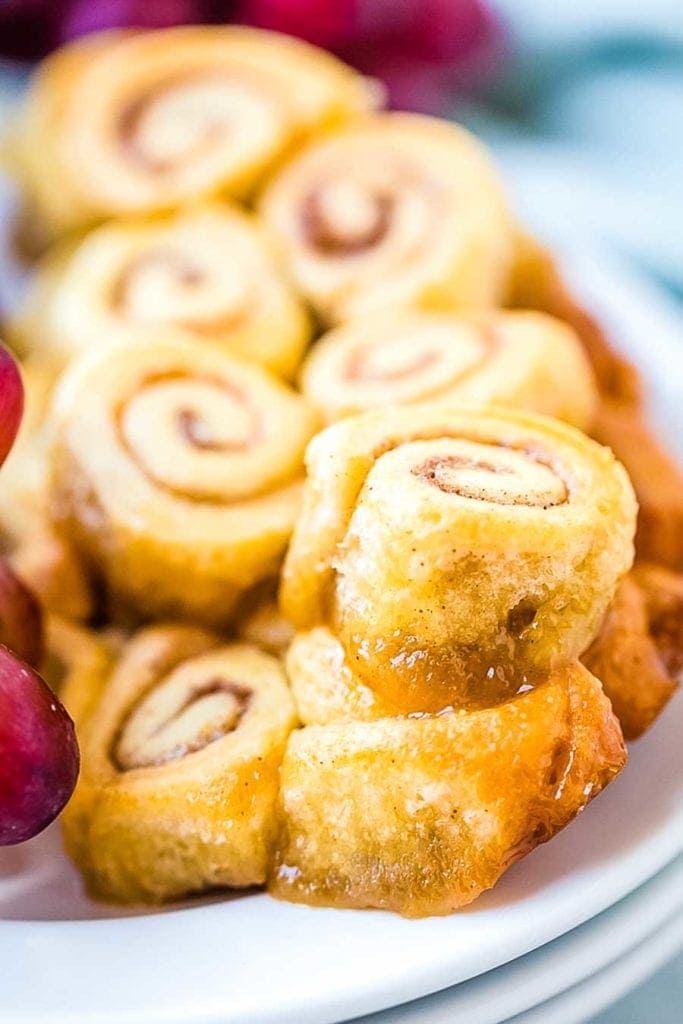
{"x":180,"y":766}
{"x":536,"y":283}
{"x":635,"y":650}
{"x":420,"y":815}
{"x":176,"y":472}
{"x":657,"y":480}
{"x":131,"y":122}
{"x":662,"y":592}
{"x":457,"y":554}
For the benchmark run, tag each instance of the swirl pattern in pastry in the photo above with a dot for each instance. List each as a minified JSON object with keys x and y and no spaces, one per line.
{"x":394,"y":210}
{"x":524,"y":359}
{"x":208,"y":270}
{"x":129,"y":123}
{"x":177,"y":472}
{"x":458,"y":555}
{"x":180,"y":768}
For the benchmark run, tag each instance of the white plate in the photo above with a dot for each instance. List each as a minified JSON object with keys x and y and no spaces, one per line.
{"x":585,"y":1001}
{"x":540,"y":976}
{"x":255,"y":961}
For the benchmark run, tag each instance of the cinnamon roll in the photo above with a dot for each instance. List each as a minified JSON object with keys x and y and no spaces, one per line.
{"x":536,"y":283}
{"x":24,"y":473}
{"x":458,"y":555}
{"x":47,"y":563}
{"x":524,"y":359}
{"x":421,"y":815}
{"x":395,"y":210}
{"x":127,"y":123}
{"x":180,"y":768}
{"x":657,"y":479}
{"x":209,"y":270}
{"x":176,"y":472}
{"x":638,"y":653}
{"x":325,"y":687}
{"x":77,"y":666}
{"x":261,"y":622}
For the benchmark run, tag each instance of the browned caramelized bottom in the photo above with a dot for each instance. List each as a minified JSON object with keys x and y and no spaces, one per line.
{"x":638,"y":654}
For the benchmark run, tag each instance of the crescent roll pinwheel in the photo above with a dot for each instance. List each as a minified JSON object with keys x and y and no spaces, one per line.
{"x":176,"y":472}
{"x":449,"y":568}
{"x":77,"y":665}
{"x":46,"y":562}
{"x":394,"y":210}
{"x":638,"y":653}
{"x":123,"y":123}
{"x":421,"y":814}
{"x":457,"y":554}
{"x":657,"y":480}
{"x":208,"y":270}
{"x":180,"y":763}
{"x":261,"y":622}
{"x":524,"y":359}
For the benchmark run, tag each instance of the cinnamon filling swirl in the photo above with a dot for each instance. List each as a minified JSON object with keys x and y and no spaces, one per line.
{"x":183,"y":119}
{"x":174,"y":422}
{"x":175,"y":286}
{"x":371,"y":366}
{"x":344,"y":218}
{"x":178,"y":718}
{"x":418,"y":351}
{"x":492,"y":473}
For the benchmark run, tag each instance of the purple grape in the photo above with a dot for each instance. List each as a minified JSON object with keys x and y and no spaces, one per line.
{"x":21,"y":620}
{"x":39,"y":757}
{"x":11,"y":402}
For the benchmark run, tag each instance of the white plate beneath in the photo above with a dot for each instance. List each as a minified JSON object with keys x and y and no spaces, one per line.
{"x":255,"y":961}
{"x":561,"y":965}
{"x":590,"y":998}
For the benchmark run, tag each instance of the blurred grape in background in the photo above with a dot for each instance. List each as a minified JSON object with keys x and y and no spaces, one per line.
{"x":423,"y":50}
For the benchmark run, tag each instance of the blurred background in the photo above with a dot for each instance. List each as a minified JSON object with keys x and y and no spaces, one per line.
{"x":581,"y":101}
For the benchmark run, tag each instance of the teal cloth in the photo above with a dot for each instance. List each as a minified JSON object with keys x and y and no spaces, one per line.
{"x":585,"y":114}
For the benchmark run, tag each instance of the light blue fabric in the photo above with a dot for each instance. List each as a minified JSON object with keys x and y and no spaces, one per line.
{"x":586,"y":118}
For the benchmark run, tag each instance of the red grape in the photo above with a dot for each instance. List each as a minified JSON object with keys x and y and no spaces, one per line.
{"x":21,"y":620}
{"x":11,"y":402}
{"x":39,"y":757}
